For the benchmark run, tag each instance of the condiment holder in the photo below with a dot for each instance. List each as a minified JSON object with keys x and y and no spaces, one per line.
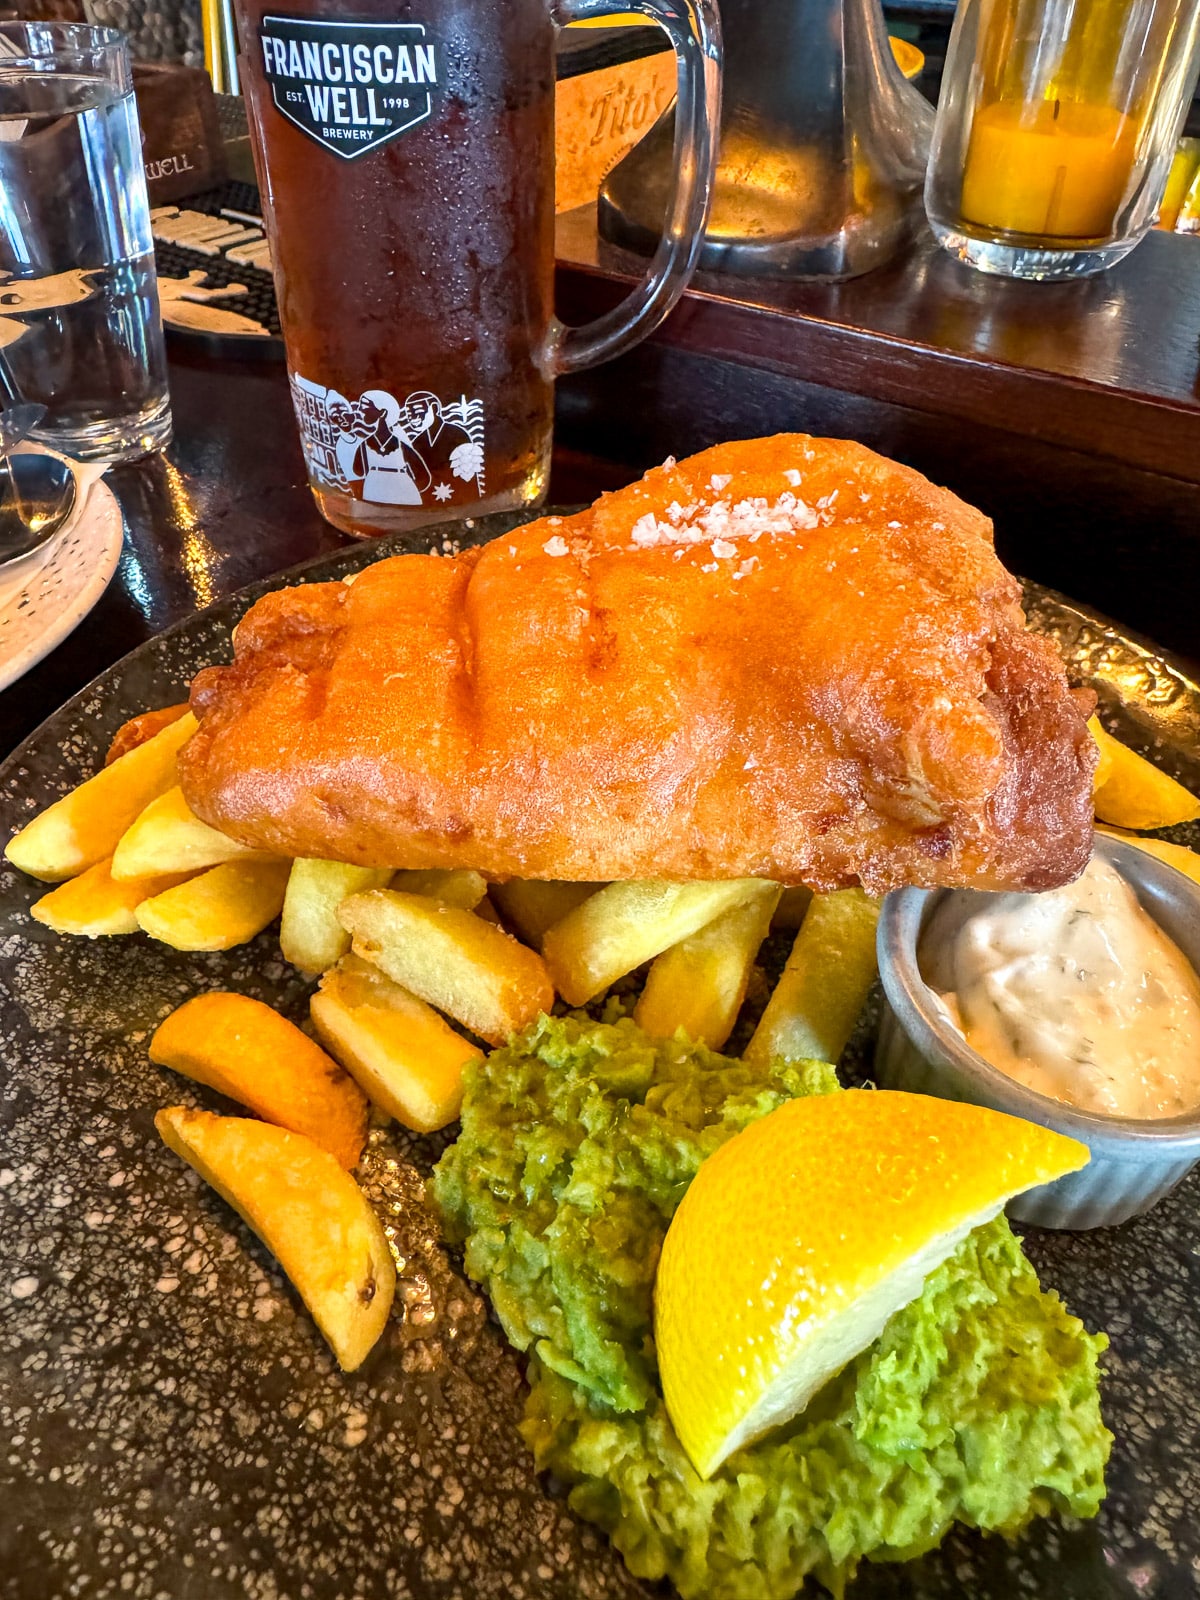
{"x":822,"y":155}
{"x":1134,"y":1163}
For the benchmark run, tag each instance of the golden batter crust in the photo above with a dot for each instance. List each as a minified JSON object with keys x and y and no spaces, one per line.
{"x":786,"y":657}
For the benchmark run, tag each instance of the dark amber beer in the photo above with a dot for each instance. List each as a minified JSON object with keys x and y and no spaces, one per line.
{"x":405,"y":154}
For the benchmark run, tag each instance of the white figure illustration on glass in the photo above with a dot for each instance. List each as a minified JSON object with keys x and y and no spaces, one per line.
{"x":392,"y":452}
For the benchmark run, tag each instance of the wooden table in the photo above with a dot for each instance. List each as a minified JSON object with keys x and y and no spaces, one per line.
{"x":1069,"y":413}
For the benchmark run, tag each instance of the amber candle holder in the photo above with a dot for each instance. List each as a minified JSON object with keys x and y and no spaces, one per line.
{"x":1055,"y":130}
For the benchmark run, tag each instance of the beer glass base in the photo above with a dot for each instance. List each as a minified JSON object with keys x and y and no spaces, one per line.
{"x":1000,"y":256}
{"x":123,"y":439}
{"x":366,"y":519}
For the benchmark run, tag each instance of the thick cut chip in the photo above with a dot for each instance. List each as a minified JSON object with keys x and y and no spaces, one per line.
{"x":1175,"y":855}
{"x":452,"y":886}
{"x":617,"y":929}
{"x":223,"y":907}
{"x":141,"y":728}
{"x":814,"y":1006}
{"x":792,"y":909}
{"x":466,"y":967}
{"x":85,"y":826}
{"x":699,"y":984}
{"x":307,"y":1211}
{"x":1103,"y":745}
{"x":406,"y":1058}
{"x":806,"y":1232}
{"x":169,"y":837}
{"x":488,"y":912}
{"x":95,"y":905}
{"x":310,"y":935}
{"x":531,"y":906}
{"x":243,"y":1049}
{"x":1136,"y":794}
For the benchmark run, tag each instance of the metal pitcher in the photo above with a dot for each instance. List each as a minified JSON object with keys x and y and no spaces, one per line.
{"x":823,"y":147}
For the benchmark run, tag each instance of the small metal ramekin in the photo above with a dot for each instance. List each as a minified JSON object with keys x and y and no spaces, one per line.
{"x":1134,"y":1163}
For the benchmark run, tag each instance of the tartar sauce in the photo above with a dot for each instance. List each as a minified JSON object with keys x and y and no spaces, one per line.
{"x":1075,"y":992}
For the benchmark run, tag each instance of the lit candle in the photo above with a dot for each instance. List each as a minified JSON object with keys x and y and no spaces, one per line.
{"x":1057,"y":169}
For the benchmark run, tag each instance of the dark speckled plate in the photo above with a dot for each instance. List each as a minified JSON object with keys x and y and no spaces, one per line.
{"x":172,"y":1424}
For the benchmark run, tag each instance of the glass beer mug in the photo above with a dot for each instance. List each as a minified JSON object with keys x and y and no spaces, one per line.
{"x":405,"y":152}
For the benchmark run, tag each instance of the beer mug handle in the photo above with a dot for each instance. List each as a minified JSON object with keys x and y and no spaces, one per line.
{"x":694,"y":28}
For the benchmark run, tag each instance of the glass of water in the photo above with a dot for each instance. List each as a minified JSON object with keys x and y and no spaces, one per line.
{"x":80,"y":331}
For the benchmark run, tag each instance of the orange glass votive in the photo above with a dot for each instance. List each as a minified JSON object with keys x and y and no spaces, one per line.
{"x":1055,"y":128}
{"x":1059,"y":169}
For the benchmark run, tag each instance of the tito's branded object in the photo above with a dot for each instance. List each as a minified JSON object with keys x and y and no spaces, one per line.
{"x":406,"y":158}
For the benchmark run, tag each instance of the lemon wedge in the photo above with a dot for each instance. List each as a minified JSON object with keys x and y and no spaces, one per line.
{"x":799,"y":1238}
{"x":909,"y":59}
{"x":1103,"y":745}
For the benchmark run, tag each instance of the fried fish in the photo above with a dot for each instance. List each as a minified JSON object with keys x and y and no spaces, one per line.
{"x":788,"y":658}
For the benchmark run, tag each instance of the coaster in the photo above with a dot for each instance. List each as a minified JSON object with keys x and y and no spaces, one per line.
{"x":46,"y":596}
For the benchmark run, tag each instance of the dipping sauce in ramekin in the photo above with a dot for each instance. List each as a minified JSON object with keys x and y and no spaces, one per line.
{"x":1135,"y":1160}
{"x":1076,"y":993}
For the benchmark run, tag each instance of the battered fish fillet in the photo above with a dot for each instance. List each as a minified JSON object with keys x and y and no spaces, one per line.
{"x":787,"y":658}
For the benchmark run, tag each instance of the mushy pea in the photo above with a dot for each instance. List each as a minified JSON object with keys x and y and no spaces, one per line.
{"x":979,"y":1403}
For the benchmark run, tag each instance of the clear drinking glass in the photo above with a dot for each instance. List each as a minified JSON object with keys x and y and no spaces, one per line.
{"x":80,"y":331}
{"x":1055,"y":130}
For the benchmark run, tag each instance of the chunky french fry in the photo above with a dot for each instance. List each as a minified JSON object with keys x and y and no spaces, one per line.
{"x":243,"y":1049}
{"x":625,"y":924}
{"x":224,"y":906}
{"x":140,"y":728}
{"x":310,"y":935}
{"x":406,"y":1058}
{"x":1103,"y":745}
{"x":95,"y":905}
{"x":699,"y":984}
{"x":452,"y":886}
{"x":1175,"y":855}
{"x":168,"y":836}
{"x":792,"y":909}
{"x":531,"y":906}
{"x":308,"y":1212}
{"x":821,"y":991}
{"x":466,"y":967}
{"x":1136,"y":794}
{"x":84,"y":826}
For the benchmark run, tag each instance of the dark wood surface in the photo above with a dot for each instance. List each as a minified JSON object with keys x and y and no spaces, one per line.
{"x":1109,"y":365}
{"x":226,"y":504}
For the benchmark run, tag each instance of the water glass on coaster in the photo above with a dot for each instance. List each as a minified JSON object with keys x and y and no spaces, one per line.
{"x":79,"y":322}
{"x":405,"y":154}
{"x":1056,"y":128}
